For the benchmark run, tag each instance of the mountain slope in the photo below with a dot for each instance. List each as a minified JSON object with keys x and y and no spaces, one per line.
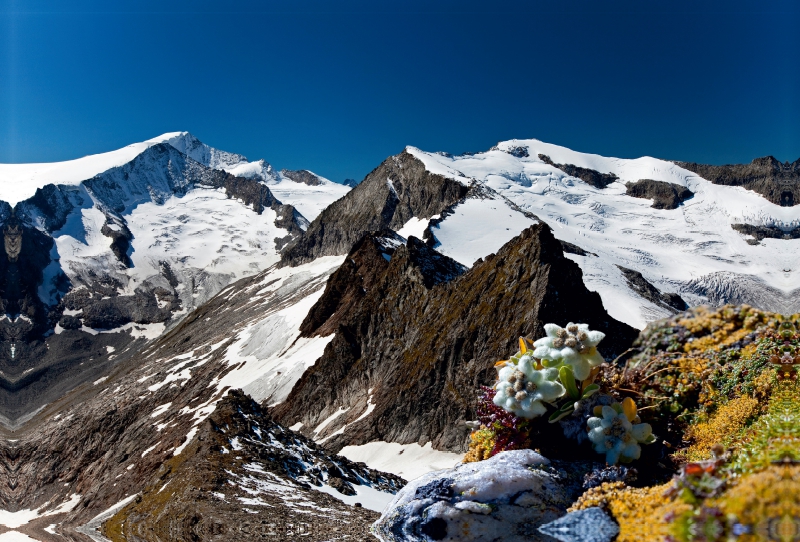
{"x":416,"y":335}
{"x":93,"y":268}
{"x":243,"y":465}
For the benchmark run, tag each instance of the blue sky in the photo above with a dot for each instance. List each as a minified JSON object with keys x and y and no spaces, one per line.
{"x":337,"y":86}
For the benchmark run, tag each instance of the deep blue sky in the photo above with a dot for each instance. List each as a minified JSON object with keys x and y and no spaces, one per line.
{"x":336,"y":86}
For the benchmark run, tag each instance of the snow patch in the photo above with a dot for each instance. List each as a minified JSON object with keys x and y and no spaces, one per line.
{"x":407,"y":460}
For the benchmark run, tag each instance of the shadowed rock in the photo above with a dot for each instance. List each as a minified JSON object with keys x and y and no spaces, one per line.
{"x":641,"y":286}
{"x":589,"y":176}
{"x":778,"y":182}
{"x":664,"y":195}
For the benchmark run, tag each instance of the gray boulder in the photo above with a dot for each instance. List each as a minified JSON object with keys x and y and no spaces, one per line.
{"x":507,"y":497}
{"x":587,"y":525}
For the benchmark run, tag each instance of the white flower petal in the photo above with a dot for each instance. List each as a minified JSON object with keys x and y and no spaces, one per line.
{"x":542,"y":352}
{"x":526,"y":364}
{"x":535,"y":409}
{"x":609,"y":413}
{"x":641,"y":431}
{"x":550,"y":391}
{"x":594,"y":358}
{"x":581,"y":369}
{"x":505,"y":372}
{"x":632,"y":451}
{"x":594,"y":337}
{"x":550,"y":373}
{"x":552,"y":330}
{"x":569,"y":355}
{"x":612,"y":456}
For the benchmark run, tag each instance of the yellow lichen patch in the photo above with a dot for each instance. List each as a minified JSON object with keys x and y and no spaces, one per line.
{"x":480,"y":445}
{"x":763,"y":384}
{"x":728,"y":421}
{"x":718,"y":340}
{"x":765,"y":501}
{"x":640,"y":512}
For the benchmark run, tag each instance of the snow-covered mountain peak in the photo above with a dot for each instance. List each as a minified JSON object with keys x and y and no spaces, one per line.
{"x":199,"y":151}
{"x":590,"y":201}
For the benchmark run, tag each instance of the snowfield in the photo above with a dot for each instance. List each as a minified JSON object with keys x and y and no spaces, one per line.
{"x":691,"y":250}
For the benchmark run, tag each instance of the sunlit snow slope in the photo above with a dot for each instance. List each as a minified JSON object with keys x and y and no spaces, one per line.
{"x":309,"y":199}
{"x":691,"y":250}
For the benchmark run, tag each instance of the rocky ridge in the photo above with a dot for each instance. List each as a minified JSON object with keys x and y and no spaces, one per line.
{"x":392,"y":194}
{"x":402,"y":332}
{"x":239,"y":461}
{"x":777,"y":181}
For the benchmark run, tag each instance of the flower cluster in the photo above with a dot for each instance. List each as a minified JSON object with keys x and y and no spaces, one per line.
{"x":521,"y":388}
{"x":615,"y":434}
{"x":574,"y":345}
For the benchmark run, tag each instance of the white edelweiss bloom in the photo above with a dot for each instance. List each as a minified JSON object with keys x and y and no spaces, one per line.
{"x":574,"y":345}
{"x":613,"y":435}
{"x":522,"y":389}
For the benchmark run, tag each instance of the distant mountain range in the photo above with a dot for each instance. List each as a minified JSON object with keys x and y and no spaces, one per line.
{"x":140,"y":286}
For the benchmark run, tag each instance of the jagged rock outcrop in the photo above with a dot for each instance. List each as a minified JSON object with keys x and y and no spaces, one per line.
{"x":642,"y":286}
{"x":571,"y":248}
{"x":302,"y":176}
{"x":759,"y":233}
{"x":777,"y":181}
{"x":412,"y":350}
{"x":589,"y":176}
{"x":396,"y":191}
{"x":664,"y":195}
{"x":245,"y":476}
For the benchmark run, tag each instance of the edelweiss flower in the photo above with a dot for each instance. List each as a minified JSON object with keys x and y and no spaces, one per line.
{"x":575,"y":345}
{"x":613,"y":434}
{"x":521,"y":388}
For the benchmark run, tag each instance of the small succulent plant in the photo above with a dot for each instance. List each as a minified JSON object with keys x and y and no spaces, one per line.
{"x":614,"y":433}
{"x":574,"y":345}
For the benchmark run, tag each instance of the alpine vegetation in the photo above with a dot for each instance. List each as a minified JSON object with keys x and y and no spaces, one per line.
{"x":709,"y":454}
{"x":557,"y":376}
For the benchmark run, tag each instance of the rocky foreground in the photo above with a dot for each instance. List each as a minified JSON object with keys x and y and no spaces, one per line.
{"x":693,"y":438}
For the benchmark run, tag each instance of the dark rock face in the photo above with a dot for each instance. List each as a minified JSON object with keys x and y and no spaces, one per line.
{"x":641,"y":286}
{"x":120,"y":240}
{"x":350,"y":182}
{"x":424,"y":345}
{"x":664,"y":195}
{"x":396,"y":191}
{"x":589,"y":176}
{"x":301,"y":176}
{"x":776,"y":181}
{"x":236,"y":445}
{"x":570,"y":248}
{"x":765,"y":232}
